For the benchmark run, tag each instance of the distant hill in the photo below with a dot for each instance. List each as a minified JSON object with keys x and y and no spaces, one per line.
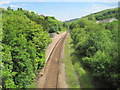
{"x":71,"y":20}
{"x":102,"y":15}
{"x":105,"y":14}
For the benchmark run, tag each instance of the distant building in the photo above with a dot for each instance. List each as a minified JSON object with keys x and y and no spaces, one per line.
{"x":42,"y":15}
{"x":106,"y":20}
{"x":52,"y":34}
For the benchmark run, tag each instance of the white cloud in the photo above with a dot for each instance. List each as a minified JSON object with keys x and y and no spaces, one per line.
{"x":13,"y":6}
{"x":4,"y":2}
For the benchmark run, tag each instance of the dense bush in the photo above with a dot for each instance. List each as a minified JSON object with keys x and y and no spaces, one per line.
{"x":97,"y":45}
{"x":49,"y":23}
{"x":23,"y":49}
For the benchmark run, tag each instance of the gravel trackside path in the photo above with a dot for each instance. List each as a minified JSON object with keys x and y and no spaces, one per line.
{"x":53,"y":72}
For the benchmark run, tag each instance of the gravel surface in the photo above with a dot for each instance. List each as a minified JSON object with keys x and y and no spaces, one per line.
{"x":54,"y":71}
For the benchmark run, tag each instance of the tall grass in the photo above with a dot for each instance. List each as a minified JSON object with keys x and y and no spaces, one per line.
{"x":72,"y":80}
{"x":84,"y":76}
{"x":77,"y":76}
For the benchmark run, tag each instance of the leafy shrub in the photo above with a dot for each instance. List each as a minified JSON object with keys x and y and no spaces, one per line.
{"x":97,"y":45}
{"x":24,"y":43}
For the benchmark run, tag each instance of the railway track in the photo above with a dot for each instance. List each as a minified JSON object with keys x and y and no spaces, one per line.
{"x":51,"y":70}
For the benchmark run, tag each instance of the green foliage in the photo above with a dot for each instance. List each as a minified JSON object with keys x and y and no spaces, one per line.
{"x":105,"y":14}
{"x":54,"y":25}
{"x":24,"y":40}
{"x":24,"y":43}
{"x":36,"y":18}
{"x":110,"y":13}
{"x":97,"y":45}
{"x":72,"y":79}
{"x":49,"y":24}
{"x":9,"y":8}
{"x":77,"y":76}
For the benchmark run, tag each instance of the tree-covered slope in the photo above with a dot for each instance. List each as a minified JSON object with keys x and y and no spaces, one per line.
{"x":49,"y":23}
{"x":105,"y":14}
{"x":25,"y":36}
{"x":97,"y":46}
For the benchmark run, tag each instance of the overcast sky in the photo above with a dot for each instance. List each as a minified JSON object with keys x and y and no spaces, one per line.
{"x":62,"y":9}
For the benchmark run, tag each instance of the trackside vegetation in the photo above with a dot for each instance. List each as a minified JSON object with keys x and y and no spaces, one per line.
{"x":25,"y":36}
{"x":96,"y":44}
{"x":91,"y":51}
{"x":72,"y":79}
{"x":77,"y":76}
{"x":23,"y":51}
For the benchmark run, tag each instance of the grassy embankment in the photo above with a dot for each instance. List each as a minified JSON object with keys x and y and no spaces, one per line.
{"x":77,"y":77}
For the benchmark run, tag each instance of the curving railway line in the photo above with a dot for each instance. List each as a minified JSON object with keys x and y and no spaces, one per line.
{"x":50,"y":78}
